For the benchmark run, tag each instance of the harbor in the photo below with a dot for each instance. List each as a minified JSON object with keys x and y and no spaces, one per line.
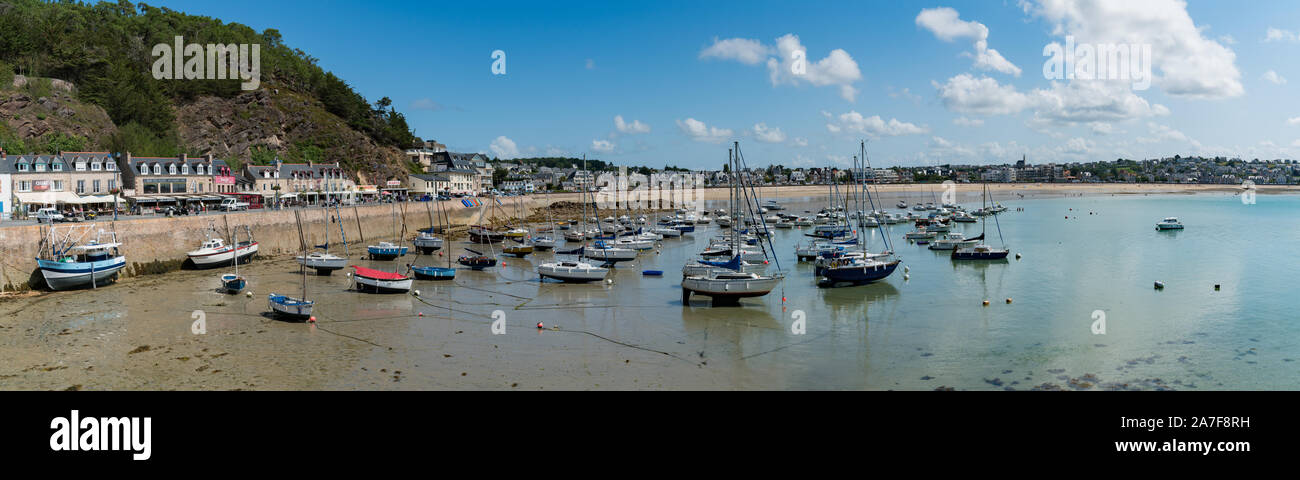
{"x":1025,"y":322}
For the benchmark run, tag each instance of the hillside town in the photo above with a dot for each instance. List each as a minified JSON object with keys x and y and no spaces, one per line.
{"x":84,"y":184}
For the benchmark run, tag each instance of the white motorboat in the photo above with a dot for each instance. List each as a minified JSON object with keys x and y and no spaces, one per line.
{"x":427,"y":243}
{"x":726,"y":284}
{"x":1169,"y":223}
{"x":215,"y":253}
{"x":952,"y":241}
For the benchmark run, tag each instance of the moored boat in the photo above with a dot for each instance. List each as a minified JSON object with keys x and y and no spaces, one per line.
{"x":370,"y":280}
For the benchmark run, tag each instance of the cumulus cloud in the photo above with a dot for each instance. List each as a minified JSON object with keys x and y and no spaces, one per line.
{"x":602,"y":146}
{"x":504,"y":147}
{"x":743,"y":50}
{"x":1189,"y":64}
{"x":762,"y":133}
{"x":701,"y":132}
{"x":946,"y":24}
{"x":1061,"y":104}
{"x":873,"y":126}
{"x":1272,"y":76}
{"x":837,"y":69}
{"x":630,"y":128}
{"x":968,"y":122}
{"x":1293,"y":121}
{"x":799,"y":142}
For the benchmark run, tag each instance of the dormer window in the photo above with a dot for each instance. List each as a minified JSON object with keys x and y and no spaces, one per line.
{"x":157,"y":169}
{"x":96,"y":166}
{"x":22,"y":167}
{"x":144,"y":169}
{"x":110,"y":166}
{"x":185,"y":169}
{"x":198,"y":169}
{"x":171,"y":169}
{"x":40,"y":167}
{"x":81,"y":165}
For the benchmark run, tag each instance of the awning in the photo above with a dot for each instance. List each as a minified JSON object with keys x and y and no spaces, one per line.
{"x":48,"y":198}
{"x":289,"y":195}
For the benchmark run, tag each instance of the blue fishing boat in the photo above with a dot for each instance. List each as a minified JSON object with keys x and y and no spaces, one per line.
{"x":432,"y":273}
{"x":232,"y":283}
{"x":73,"y":265}
{"x":385,"y":251}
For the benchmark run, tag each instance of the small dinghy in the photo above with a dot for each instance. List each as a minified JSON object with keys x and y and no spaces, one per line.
{"x":432,"y":273}
{"x":652,"y":273}
{"x":477,"y":261}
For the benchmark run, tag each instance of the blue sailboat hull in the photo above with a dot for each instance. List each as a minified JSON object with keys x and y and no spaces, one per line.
{"x":856,"y":274}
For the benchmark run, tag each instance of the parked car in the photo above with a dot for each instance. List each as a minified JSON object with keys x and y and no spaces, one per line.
{"x":232,"y":204}
{"x":48,"y":215}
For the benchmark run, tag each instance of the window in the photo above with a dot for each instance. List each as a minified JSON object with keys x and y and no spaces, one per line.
{"x":185,"y":169}
{"x":24,"y":185}
{"x":199,"y":169}
{"x":56,"y":166}
{"x":144,"y":169}
{"x":40,"y":167}
{"x":112,"y":185}
{"x":22,"y":167}
{"x":96,"y":166}
{"x":81,"y":187}
{"x":171,"y":169}
{"x":110,"y":165}
{"x":81,"y":166}
{"x":58,"y":186}
{"x":157,"y":169}
{"x":96,"y":186}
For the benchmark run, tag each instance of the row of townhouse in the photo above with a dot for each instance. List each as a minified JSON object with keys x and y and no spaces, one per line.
{"x":97,"y":180}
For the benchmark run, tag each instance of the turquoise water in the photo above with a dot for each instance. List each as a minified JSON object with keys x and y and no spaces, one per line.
{"x":1186,"y":336}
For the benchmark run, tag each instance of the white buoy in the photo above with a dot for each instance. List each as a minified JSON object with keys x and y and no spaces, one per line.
{"x":609,"y":281}
{"x":415,"y":292}
{"x":250,"y":294}
{"x":906,"y":269}
{"x":907,"y":277}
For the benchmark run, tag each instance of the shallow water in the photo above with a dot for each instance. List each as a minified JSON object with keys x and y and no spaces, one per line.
{"x":928,"y":331}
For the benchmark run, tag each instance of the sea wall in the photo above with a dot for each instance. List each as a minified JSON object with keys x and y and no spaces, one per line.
{"x":158,"y":244}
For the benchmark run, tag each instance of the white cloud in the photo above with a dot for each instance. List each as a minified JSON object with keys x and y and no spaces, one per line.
{"x":968,"y":122}
{"x":874,"y":126}
{"x":945,"y":24}
{"x":1102,"y":128}
{"x":743,"y":50}
{"x":504,"y":147}
{"x":1190,"y":64}
{"x":700,"y":132}
{"x":1163,"y":133}
{"x":837,"y":69}
{"x":602,"y":146}
{"x":630,"y":128}
{"x":1279,"y":35}
{"x":1077,"y":145}
{"x":904,"y":94}
{"x":762,"y":133}
{"x":1062,"y":104}
{"x":1227,"y":40}
{"x":799,"y":142}
{"x":1272,"y":76}
{"x":968,"y":94}
{"x":1293,"y":121}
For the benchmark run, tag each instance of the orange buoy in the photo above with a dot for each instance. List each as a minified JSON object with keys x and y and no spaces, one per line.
{"x":311,"y":319}
{"x":986,"y":303}
{"x":539,"y":324}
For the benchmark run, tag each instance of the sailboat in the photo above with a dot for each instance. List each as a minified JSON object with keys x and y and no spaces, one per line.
{"x":865,"y":267}
{"x":426,"y":242}
{"x":547,"y":240}
{"x":323,"y":261}
{"x":477,"y":260}
{"x":370,"y":280}
{"x":729,"y":282}
{"x":289,"y":308}
{"x":982,"y":251}
{"x":431,"y":272}
{"x":233,"y":283}
{"x":523,"y":246}
{"x":72,"y":264}
{"x":575,"y":271}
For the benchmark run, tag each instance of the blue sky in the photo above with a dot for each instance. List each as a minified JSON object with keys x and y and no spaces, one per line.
{"x":910,"y":77}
